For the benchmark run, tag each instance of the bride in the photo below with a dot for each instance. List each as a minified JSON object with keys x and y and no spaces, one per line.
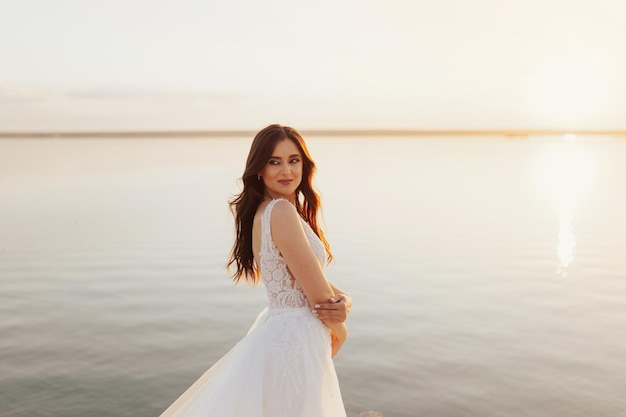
{"x":283,"y":367}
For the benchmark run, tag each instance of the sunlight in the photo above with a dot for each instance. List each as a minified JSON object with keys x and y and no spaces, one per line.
{"x":568,"y":90}
{"x":565,"y":176}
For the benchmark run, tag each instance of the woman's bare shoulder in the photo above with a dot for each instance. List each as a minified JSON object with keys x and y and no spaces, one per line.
{"x":283,"y":213}
{"x":285,"y":222}
{"x":281,"y":209}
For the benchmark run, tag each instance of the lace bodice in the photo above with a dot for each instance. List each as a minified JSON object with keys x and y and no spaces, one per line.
{"x":282,"y":289}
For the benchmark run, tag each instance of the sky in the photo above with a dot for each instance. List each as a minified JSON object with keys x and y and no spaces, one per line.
{"x":243,"y":64}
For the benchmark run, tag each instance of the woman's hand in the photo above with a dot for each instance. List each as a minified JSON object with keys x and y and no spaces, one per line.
{"x":335,"y":310}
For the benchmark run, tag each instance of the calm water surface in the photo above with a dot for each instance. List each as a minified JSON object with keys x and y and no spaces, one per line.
{"x":488,"y":274}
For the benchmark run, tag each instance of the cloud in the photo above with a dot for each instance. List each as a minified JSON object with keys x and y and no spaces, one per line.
{"x":19,"y":92}
{"x":11,"y":91}
{"x":134,"y":93}
{"x":26,"y":108}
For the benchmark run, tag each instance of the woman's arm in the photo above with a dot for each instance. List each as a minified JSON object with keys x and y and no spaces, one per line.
{"x":290,"y":239}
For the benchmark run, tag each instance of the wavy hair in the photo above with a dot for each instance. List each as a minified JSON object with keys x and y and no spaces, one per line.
{"x":245,"y":204}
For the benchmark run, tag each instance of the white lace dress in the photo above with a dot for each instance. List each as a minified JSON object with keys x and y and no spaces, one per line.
{"x":283,"y":366}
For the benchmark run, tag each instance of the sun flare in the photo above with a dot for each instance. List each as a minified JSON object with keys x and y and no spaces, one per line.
{"x":568,"y":91}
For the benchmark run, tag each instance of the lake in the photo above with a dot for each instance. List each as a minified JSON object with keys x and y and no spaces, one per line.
{"x":488,"y":273}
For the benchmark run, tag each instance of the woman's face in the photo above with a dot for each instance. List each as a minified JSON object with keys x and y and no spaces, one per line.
{"x":283,"y":172}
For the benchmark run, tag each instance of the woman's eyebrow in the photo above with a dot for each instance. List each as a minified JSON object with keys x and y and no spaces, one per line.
{"x":290,"y":156}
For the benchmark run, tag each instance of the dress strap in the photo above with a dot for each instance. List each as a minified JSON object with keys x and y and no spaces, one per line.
{"x":266,"y":231}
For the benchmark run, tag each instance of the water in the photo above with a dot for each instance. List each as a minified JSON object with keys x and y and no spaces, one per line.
{"x":487,"y":273}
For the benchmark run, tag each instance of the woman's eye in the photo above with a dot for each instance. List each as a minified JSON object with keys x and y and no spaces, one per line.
{"x":272,"y":162}
{"x":295,"y":160}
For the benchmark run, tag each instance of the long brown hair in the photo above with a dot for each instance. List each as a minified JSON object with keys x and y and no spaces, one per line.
{"x":244,"y":205}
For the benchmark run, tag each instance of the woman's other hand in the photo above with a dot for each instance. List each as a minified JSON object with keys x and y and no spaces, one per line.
{"x":335,"y":310}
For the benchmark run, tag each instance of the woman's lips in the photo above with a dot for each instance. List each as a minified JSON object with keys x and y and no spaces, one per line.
{"x":285,"y":182}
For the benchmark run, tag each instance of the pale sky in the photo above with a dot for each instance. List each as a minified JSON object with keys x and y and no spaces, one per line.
{"x":242,"y":64}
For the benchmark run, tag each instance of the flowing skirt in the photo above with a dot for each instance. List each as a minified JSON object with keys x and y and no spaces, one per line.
{"x":281,"y":368}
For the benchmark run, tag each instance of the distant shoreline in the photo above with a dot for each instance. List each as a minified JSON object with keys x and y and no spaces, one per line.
{"x":307,"y":132}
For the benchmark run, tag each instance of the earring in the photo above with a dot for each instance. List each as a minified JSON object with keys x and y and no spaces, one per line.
{"x":258,"y":176}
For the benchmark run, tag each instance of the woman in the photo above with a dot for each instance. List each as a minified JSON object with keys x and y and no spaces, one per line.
{"x":283,"y":367}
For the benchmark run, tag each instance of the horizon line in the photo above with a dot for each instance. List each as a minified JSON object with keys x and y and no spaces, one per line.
{"x":308,"y":132}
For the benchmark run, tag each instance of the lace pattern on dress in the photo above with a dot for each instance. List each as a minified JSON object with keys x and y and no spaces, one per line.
{"x":282,"y":289}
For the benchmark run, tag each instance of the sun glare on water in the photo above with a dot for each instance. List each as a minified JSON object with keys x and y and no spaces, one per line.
{"x":564,"y":174}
